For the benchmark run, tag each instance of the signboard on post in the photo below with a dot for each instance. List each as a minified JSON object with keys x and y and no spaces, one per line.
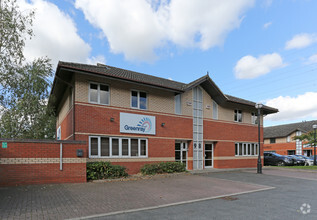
{"x":137,"y":124}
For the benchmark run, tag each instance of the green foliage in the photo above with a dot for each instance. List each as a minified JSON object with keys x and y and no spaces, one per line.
{"x":15,"y":28}
{"x":24,"y":86}
{"x":307,"y":137}
{"x":104,"y":170}
{"x":163,"y":167}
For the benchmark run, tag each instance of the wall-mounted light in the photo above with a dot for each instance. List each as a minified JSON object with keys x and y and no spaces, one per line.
{"x":163,"y":124}
{"x":112,"y":119}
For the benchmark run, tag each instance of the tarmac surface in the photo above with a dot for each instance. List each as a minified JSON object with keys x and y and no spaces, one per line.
{"x":165,"y":197}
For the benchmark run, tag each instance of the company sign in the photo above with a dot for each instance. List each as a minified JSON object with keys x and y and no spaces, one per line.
{"x":137,"y":124}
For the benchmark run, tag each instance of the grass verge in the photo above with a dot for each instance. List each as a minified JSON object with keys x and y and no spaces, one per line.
{"x":301,"y":167}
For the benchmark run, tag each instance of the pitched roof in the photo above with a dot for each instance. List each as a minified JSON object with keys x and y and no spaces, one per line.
{"x":285,"y":130}
{"x":65,"y":69}
{"x":123,"y":74}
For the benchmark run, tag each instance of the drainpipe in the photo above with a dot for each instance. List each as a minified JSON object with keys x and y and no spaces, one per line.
{"x":61,"y":156}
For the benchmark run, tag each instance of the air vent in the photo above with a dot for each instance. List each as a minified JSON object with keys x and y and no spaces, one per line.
{"x":103,"y":65}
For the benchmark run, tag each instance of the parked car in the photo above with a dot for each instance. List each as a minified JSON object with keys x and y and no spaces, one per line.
{"x":312,"y":157}
{"x":308,"y":161}
{"x":297,"y":160}
{"x":275,"y":159}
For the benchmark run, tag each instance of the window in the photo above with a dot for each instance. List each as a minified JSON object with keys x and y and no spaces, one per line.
{"x":138,"y":100}
{"x":214,"y":110}
{"x":288,"y":139}
{"x":272,"y":140}
{"x":291,"y":152}
{"x":246,"y":149}
{"x":254,"y":118}
{"x":99,"y":93}
{"x":117,"y":147}
{"x":178,"y":104}
{"x":237,"y":115}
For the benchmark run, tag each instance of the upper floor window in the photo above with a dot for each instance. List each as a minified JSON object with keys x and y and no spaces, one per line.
{"x":254,"y":118}
{"x":288,"y":139}
{"x":178,"y":104}
{"x":272,"y":140}
{"x":99,"y":93}
{"x":237,"y":115}
{"x":138,"y":100}
{"x":214,"y":110}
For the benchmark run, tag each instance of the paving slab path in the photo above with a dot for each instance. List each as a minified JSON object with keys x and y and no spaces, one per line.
{"x":63,"y":201}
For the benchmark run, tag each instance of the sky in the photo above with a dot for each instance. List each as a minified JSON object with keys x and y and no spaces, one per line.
{"x":264,"y":51}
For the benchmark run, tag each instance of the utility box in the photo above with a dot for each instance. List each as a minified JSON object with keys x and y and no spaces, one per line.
{"x":80,"y":152}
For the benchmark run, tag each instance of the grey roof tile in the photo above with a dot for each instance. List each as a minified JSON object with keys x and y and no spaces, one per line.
{"x":285,"y":130}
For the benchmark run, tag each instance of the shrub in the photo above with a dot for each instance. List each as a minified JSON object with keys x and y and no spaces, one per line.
{"x":163,"y":167}
{"x":104,"y":170}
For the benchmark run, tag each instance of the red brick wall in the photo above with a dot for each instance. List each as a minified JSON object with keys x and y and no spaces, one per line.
{"x":38,"y":163}
{"x":67,"y":126}
{"x":95,"y":120}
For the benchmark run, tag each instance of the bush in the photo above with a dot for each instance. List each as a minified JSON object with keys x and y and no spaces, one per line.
{"x":163,"y":167}
{"x":104,"y":170}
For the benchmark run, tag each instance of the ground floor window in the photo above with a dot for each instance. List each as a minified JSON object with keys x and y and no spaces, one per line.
{"x":181,"y":152}
{"x":246,"y":149}
{"x":117,"y":147}
{"x":308,"y":153}
{"x":291,"y":152}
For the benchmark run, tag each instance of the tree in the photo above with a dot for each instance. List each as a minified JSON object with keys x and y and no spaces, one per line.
{"x":308,"y":138}
{"x":24,"y":86}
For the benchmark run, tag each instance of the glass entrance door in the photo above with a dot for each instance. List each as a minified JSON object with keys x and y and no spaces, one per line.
{"x":181,"y":152}
{"x":209,"y":155}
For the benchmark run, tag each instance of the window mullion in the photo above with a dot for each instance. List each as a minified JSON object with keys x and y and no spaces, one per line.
{"x":110,"y":147}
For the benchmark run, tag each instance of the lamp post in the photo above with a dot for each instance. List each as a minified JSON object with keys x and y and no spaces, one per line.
{"x":314,"y":127}
{"x":259,"y":166}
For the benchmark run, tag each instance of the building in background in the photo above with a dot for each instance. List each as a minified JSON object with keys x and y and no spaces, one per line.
{"x":132,"y":119}
{"x":280,"y":139}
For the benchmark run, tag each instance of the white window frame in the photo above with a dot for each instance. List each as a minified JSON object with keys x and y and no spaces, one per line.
{"x":237,"y":110}
{"x":120,"y":147}
{"x":98,"y":93}
{"x":138,"y":99}
{"x":246,"y":153}
{"x":288,"y":139}
{"x":214,"y":109}
{"x":254,"y":118}
{"x":180,"y":104}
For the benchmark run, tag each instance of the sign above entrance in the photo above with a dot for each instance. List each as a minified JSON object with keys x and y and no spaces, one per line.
{"x":137,"y":124}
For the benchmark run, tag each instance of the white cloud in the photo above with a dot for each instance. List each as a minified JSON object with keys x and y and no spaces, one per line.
{"x":300,"y":41}
{"x":249,"y":67}
{"x":293,"y":108}
{"x":137,"y":28}
{"x":312,"y":59}
{"x":266,"y":25}
{"x":94,"y":60}
{"x":55,"y":34}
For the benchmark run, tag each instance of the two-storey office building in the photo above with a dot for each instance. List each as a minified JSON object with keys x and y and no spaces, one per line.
{"x":280,"y":138}
{"x":131,"y":119}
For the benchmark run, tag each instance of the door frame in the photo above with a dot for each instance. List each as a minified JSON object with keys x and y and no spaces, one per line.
{"x":212,"y":154}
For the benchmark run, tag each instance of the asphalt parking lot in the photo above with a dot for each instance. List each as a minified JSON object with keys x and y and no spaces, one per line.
{"x":224,"y":195}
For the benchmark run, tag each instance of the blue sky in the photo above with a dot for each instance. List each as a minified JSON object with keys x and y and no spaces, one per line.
{"x":264,"y":51}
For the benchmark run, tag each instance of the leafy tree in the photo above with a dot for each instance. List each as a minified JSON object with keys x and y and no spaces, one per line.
{"x":308,"y":138}
{"x":24,"y":86}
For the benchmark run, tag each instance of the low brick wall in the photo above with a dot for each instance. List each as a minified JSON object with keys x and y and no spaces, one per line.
{"x":25,"y":162}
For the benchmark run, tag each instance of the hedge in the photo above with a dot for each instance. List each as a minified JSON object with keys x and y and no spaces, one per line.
{"x":104,"y":170}
{"x":163,"y":167}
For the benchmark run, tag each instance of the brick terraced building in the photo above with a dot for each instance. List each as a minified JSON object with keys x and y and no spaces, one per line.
{"x":132,"y":119}
{"x":280,"y":138}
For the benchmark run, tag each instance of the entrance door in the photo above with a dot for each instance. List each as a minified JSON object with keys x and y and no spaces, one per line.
{"x":209,"y":155}
{"x":181,"y":152}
